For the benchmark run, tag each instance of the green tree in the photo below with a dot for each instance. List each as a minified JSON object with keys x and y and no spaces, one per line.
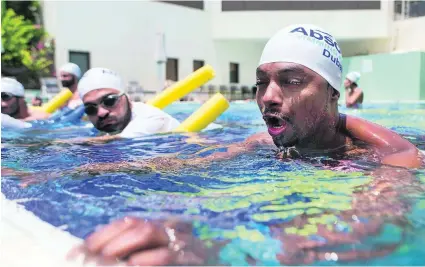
{"x":23,"y":43}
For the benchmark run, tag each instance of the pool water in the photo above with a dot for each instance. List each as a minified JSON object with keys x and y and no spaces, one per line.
{"x":235,"y":199}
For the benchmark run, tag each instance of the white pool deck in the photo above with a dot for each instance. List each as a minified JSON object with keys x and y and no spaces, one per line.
{"x":25,"y":240}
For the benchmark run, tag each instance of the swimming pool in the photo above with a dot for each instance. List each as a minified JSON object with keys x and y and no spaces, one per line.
{"x":231,"y":199}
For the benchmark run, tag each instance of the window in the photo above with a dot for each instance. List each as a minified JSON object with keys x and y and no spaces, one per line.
{"x":416,"y":8}
{"x":298,"y":5}
{"x":408,"y":9}
{"x":398,"y":9}
{"x":82,"y":59}
{"x":191,"y":4}
{"x":197,"y":64}
{"x":234,"y":73}
{"x":172,"y":72}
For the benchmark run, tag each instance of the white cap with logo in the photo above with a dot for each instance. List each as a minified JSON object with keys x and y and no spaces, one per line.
{"x":308,"y":45}
{"x":12,"y":86}
{"x":72,"y":69}
{"x":99,"y":78}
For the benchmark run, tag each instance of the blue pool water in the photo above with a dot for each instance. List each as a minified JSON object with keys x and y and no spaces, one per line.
{"x":235,"y":199}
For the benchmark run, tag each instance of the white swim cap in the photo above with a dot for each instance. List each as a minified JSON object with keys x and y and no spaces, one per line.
{"x":12,"y":86}
{"x":309,"y":46}
{"x":71,"y":68}
{"x":354,"y":76}
{"x":99,"y":78}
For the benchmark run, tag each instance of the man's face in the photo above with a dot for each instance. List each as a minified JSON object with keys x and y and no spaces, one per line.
{"x":36,"y":102}
{"x":67,"y":79}
{"x":293,"y":100}
{"x":9,"y":104}
{"x":109,"y":112}
{"x":347,"y":83}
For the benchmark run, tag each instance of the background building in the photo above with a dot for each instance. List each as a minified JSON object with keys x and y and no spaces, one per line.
{"x":150,"y":41}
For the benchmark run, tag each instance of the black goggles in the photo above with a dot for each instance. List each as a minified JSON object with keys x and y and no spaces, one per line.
{"x":6,"y":96}
{"x":107,"y":101}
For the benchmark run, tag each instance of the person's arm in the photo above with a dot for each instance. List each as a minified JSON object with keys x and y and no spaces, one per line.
{"x":172,"y":163}
{"x":393,"y":149}
{"x":352,"y":99}
{"x":89,"y":140}
{"x":37,"y":115}
{"x":250,"y":144}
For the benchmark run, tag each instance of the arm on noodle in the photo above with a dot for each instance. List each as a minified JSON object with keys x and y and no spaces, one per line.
{"x":392,"y":148}
{"x":37,"y":115}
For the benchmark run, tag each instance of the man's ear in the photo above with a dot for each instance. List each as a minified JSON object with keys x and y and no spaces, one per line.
{"x":335,"y":93}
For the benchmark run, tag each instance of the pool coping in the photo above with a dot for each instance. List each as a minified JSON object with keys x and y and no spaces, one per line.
{"x":26,"y":240}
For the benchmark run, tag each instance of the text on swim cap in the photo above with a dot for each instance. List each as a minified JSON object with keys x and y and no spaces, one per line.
{"x":334,"y":59}
{"x":319,"y":35}
{"x":321,"y":38}
{"x":104,"y":71}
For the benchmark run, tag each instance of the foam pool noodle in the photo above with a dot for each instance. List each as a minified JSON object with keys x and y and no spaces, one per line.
{"x":183,"y":87}
{"x":58,"y":101}
{"x":206,"y":114}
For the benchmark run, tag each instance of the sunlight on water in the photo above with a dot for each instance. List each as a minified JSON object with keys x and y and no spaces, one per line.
{"x":236,"y":199}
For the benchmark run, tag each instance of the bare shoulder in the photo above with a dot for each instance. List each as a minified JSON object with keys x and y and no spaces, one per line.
{"x":259,"y":139}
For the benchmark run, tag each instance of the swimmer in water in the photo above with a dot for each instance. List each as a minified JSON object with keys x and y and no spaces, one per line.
{"x":69,"y":74}
{"x":13,"y":102}
{"x":297,"y":81}
{"x":37,"y":101}
{"x":297,"y":77}
{"x":111,"y":111}
{"x":353,"y":93}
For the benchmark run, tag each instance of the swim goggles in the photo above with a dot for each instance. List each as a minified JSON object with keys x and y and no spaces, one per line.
{"x":107,"y":101}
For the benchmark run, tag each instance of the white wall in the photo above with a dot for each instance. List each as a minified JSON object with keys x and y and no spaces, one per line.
{"x":343,"y":24}
{"x":409,"y":34}
{"x":246,"y":54}
{"x":122,"y":35}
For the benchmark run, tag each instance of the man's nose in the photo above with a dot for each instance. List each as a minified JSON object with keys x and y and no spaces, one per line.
{"x":102,"y":112}
{"x":273,"y":95}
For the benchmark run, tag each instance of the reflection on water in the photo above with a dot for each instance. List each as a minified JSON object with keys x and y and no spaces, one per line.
{"x":316,"y":199}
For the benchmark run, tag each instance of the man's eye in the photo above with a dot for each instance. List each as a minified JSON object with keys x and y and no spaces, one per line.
{"x":258,"y":83}
{"x":292,"y":82}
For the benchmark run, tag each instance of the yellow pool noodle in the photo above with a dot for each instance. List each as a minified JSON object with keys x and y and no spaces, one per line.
{"x":58,"y":101}
{"x":206,"y":114}
{"x":183,"y":87}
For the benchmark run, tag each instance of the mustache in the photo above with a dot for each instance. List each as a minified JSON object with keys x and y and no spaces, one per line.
{"x":101,"y":120}
{"x":273,"y":113}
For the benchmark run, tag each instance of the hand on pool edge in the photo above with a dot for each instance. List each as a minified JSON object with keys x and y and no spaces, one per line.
{"x":136,"y":241}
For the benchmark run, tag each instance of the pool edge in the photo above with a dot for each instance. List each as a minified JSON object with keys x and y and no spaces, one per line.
{"x":26,"y":240}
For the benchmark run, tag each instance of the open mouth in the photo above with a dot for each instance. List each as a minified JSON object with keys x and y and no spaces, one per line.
{"x":275,"y":124}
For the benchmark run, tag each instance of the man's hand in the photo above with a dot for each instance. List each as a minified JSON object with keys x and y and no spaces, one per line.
{"x":139,"y":242}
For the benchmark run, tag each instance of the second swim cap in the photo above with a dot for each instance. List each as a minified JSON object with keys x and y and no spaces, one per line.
{"x":353,"y":76}
{"x":71,"y":68}
{"x":309,"y":46}
{"x":12,"y":86}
